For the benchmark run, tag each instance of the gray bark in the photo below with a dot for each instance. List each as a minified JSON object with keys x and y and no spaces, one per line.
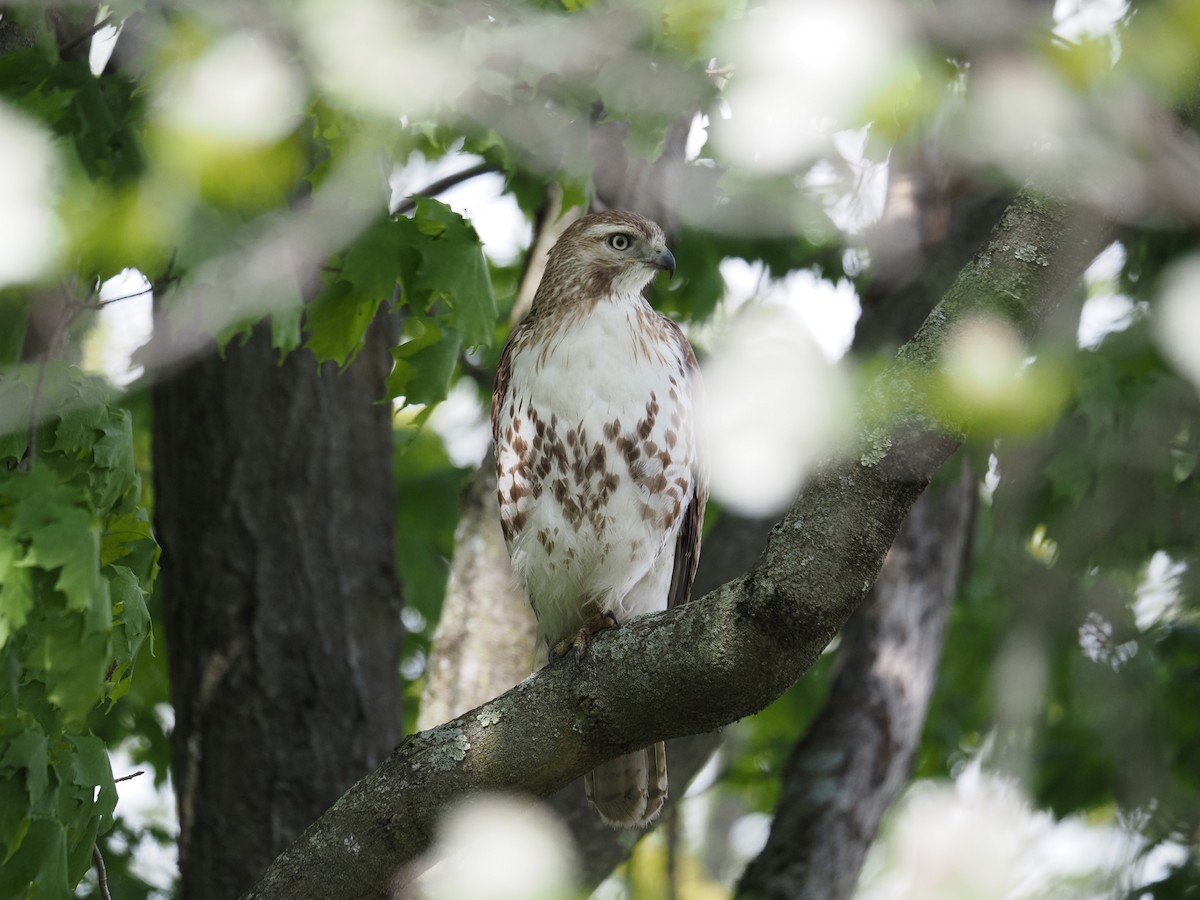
{"x":700,"y":666}
{"x":274,"y":510}
{"x":484,"y":639}
{"x":854,"y":761}
{"x":858,"y":753}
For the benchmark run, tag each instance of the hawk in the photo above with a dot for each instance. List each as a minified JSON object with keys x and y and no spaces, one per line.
{"x":601,"y":493}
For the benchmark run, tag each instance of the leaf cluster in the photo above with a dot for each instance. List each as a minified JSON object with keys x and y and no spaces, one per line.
{"x":436,"y":261}
{"x":1061,"y":560}
{"x":77,"y":564}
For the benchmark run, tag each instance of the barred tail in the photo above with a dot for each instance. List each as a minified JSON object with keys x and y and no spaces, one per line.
{"x":630,"y":790}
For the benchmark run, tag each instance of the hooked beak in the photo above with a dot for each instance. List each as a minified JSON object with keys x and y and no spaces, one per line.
{"x":664,"y":260}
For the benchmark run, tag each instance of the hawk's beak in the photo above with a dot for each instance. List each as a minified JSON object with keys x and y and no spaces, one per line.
{"x":664,"y":260}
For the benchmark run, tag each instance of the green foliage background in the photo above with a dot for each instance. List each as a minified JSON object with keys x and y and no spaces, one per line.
{"x":1110,"y":477}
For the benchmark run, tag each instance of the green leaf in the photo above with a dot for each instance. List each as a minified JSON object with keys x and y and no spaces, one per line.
{"x":129,"y":539}
{"x":424,"y":365}
{"x":372,"y":262}
{"x":16,"y":588}
{"x":428,"y":491}
{"x":452,"y":268}
{"x":28,"y":751}
{"x":24,"y":76}
{"x":91,"y":770}
{"x":77,"y":428}
{"x":41,"y":859}
{"x":285,"y":329}
{"x":72,"y":660}
{"x":114,"y":475}
{"x":14,"y":818}
{"x":337,"y":322}
{"x":114,"y":449}
{"x":14,"y":315}
{"x":15,"y":398}
{"x":71,"y":542}
{"x":129,"y":605}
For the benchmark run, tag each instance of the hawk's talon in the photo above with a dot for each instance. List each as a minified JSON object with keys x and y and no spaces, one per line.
{"x":579,"y":640}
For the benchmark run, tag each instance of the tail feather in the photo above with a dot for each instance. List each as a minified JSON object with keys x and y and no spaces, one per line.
{"x":629,"y":791}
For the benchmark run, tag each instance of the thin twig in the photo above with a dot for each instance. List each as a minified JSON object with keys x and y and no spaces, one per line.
{"x":100,"y":304}
{"x":31,"y":444}
{"x":101,"y":872}
{"x":65,"y":50}
{"x":168,"y":277}
{"x":127,"y":777}
{"x":442,"y":184}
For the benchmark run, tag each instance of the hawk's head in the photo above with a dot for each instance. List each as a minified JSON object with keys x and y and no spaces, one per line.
{"x":611,"y":252}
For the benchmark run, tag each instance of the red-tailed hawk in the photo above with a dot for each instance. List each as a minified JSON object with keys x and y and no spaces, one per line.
{"x":601,"y":493}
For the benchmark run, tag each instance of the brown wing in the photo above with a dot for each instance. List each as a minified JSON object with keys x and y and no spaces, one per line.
{"x":500,"y":387}
{"x":687,"y":544}
{"x":687,"y":547}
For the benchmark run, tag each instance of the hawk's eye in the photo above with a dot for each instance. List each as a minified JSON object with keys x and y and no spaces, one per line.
{"x":619,"y":242}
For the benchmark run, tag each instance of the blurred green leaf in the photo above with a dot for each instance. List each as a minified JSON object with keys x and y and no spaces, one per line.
{"x":337,"y":322}
{"x":425,"y":364}
{"x":445,"y":262}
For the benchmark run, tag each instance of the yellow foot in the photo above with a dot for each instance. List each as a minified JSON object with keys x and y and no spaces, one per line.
{"x":579,"y":640}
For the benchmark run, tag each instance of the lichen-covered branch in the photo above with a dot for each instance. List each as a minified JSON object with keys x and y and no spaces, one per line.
{"x":858,"y":753}
{"x":717,"y":659}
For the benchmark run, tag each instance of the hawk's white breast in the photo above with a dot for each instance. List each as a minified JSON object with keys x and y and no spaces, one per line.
{"x":595,"y":455}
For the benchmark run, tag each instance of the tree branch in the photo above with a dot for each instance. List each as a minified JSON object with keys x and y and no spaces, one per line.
{"x":857,"y":755}
{"x":409,"y":203}
{"x":703,"y":665}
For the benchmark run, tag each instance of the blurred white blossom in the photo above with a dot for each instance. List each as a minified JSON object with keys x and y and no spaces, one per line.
{"x":1078,"y":20}
{"x":828,"y":310}
{"x":1097,"y":641}
{"x":30,"y":232}
{"x":500,"y":848}
{"x":980,"y":838}
{"x":1177,"y":316}
{"x":377,"y":55}
{"x":1022,"y":115}
{"x":803,"y":71}
{"x":242,"y":89}
{"x":983,"y":357}
{"x":776,"y":407}
{"x":1157,"y":599}
{"x":463,"y":424}
{"x":104,"y":41}
{"x":123,"y":325}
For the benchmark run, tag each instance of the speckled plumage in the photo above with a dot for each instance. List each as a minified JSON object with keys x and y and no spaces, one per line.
{"x":600,"y":488}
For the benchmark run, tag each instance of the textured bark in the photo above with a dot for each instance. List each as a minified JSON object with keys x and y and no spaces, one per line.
{"x":700,"y":666}
{"x":932,"y":225}
{"x":847,"y":770}
{"x":484,"y":639}
{"x":274,"y":510}
{"x":729,"y":550}
{"x":858,"y":753}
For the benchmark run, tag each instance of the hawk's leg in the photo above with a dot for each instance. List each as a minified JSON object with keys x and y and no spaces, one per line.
{"x":596,"y":621}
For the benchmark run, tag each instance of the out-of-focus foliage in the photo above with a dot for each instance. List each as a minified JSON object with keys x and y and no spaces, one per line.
{"x":1073,"y":649}
{"x":240,"y":158}
{"x":77,"y":562}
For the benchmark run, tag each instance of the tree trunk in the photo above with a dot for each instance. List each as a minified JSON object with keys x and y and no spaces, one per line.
{"x":854,"y":761}
{"x":274,"y":509}
{"x":483,"y":644}
{"x":856,"y":757}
